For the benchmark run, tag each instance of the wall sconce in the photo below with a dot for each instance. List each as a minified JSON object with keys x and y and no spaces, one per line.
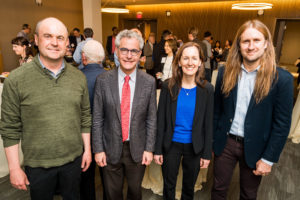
{"x":39,"y":2}
{"x":168,"y":13}
{"x":260,"y":12}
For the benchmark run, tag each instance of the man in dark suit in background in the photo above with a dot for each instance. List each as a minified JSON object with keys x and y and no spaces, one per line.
{"x":110,"y":43}
{"x":75,"y":39}
{"x":193,"y":37}
{"x":252,"y":116}
{"x":124,"y":120}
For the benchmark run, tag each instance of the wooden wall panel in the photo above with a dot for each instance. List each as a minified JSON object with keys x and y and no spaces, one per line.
{"x":217,"y":17}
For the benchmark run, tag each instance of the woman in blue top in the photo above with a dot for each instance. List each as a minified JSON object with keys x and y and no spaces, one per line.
{"x":185,"y":121}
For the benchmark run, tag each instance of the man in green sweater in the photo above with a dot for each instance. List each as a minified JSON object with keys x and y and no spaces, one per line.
{"x":45,"y":104}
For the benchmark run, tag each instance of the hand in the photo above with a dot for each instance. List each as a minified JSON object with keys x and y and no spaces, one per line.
{"x":147,"y":158}
{"x":158,"y":75}
{"x":143,"y":59}
{"x":18,"y":179}
{"x":100,"y":159}
{"x":158,"y":159}
{"x":262,"y":168}
{"x":86,"y":160}
{"x":204,"y":163}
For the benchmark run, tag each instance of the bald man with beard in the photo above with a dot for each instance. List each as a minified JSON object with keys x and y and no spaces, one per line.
{"x":45,"y":104}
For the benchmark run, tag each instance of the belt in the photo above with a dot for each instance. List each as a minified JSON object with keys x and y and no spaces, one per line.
{"x":236,"y":138}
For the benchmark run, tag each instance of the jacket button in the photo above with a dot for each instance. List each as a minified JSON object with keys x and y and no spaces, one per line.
{"x":230,"y":120}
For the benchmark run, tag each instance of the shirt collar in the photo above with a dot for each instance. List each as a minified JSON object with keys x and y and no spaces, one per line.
{"x":243,"y":68}
{"x":52,"y":73}
{"x":122,"y":74}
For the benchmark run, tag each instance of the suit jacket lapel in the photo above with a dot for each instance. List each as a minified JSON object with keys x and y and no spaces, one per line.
{"x":175,"y":91}
{"x":114,"y":83}
{"x":139,"y":84}
{"x":234,"y":95}
{"x":200,"y":104}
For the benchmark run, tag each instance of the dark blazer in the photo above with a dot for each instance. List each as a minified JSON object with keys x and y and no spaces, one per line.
{"x":109,"y":44}
{"x":107,"y":132}
{"x":148,"y":51}
{"x":267,"y":123}
{"x":73,"y":41}
{"x":202,"y":124}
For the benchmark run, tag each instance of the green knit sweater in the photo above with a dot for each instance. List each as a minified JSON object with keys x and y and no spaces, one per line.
{"x":48,"y":115}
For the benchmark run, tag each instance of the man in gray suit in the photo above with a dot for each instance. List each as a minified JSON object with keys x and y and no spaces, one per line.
{"x":124,"y":120}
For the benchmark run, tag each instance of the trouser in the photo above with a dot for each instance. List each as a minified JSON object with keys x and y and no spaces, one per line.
{"x":87,"y":183}
{"x":43,"y":181}
{"x":223,"y":170}
{"x":114,"y":175}
{"x":190,"y":169}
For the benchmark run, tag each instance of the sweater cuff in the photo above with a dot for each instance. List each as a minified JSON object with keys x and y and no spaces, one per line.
{"x":10,"y":142}
{"x":85,"y":130}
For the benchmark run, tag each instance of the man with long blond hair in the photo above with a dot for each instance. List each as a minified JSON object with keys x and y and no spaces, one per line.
{"x":252,"y":116}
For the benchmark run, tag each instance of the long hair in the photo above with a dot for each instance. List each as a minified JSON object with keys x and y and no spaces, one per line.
{"x":267,"y":72}
{"x":177,"y":73}
{"x":173,"y":45}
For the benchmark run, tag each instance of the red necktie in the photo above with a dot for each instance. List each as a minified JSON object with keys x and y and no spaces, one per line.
{"x":125,"y":108}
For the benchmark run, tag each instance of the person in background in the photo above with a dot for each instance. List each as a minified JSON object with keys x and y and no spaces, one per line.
{"x":92,"y":54}
{"x":22,"y":48}
{"x":45,"y":104}
{"x":252,"y":112}
{"x":88,"y":35}
{"x":124,"y":120}
{"x":207,"y":42}
{"x":225,"y":53}
{"x":165,"y":70}
{"x":193,"y":37}
{"x":185,"y":122}
{"x":75,"y":39}
{"x":217,"y":54}
{"x":159,"y":50}
{"x":110,"y":43}
{"x":26,"y":30}
{"x":148,"y":51}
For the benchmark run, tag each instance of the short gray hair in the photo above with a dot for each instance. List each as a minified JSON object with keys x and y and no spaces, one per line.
{"x":129,"y":34}
{"x":93,"y":51}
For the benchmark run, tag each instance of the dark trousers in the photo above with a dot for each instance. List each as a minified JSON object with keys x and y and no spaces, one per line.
{"x":223,"y":169}
{"x":190,"y":169}
{"x":87,"y":183}
{"x":208,"y":74}
{"x":114,"y":175}
{"x":43,"y":181}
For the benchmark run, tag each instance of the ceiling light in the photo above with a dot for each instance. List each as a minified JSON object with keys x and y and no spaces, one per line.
{"x":115,"y":10}
{"x":251,"y":6}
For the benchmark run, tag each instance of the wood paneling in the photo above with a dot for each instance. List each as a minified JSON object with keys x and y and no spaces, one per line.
{"x":217,"y":17}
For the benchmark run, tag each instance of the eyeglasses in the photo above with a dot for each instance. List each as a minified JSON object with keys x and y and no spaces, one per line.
{"x":125,"y":51}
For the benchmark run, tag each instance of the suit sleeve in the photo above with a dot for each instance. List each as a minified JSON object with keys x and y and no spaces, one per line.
{"x":151,"y":123}
{"x":282,"y":111}
{"x":208,"y":123}
{"x":98,"y":119}
{"x":161,"y":117}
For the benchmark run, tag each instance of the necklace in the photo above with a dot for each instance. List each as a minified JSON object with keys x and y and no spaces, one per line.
{"x":187,"y":92}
